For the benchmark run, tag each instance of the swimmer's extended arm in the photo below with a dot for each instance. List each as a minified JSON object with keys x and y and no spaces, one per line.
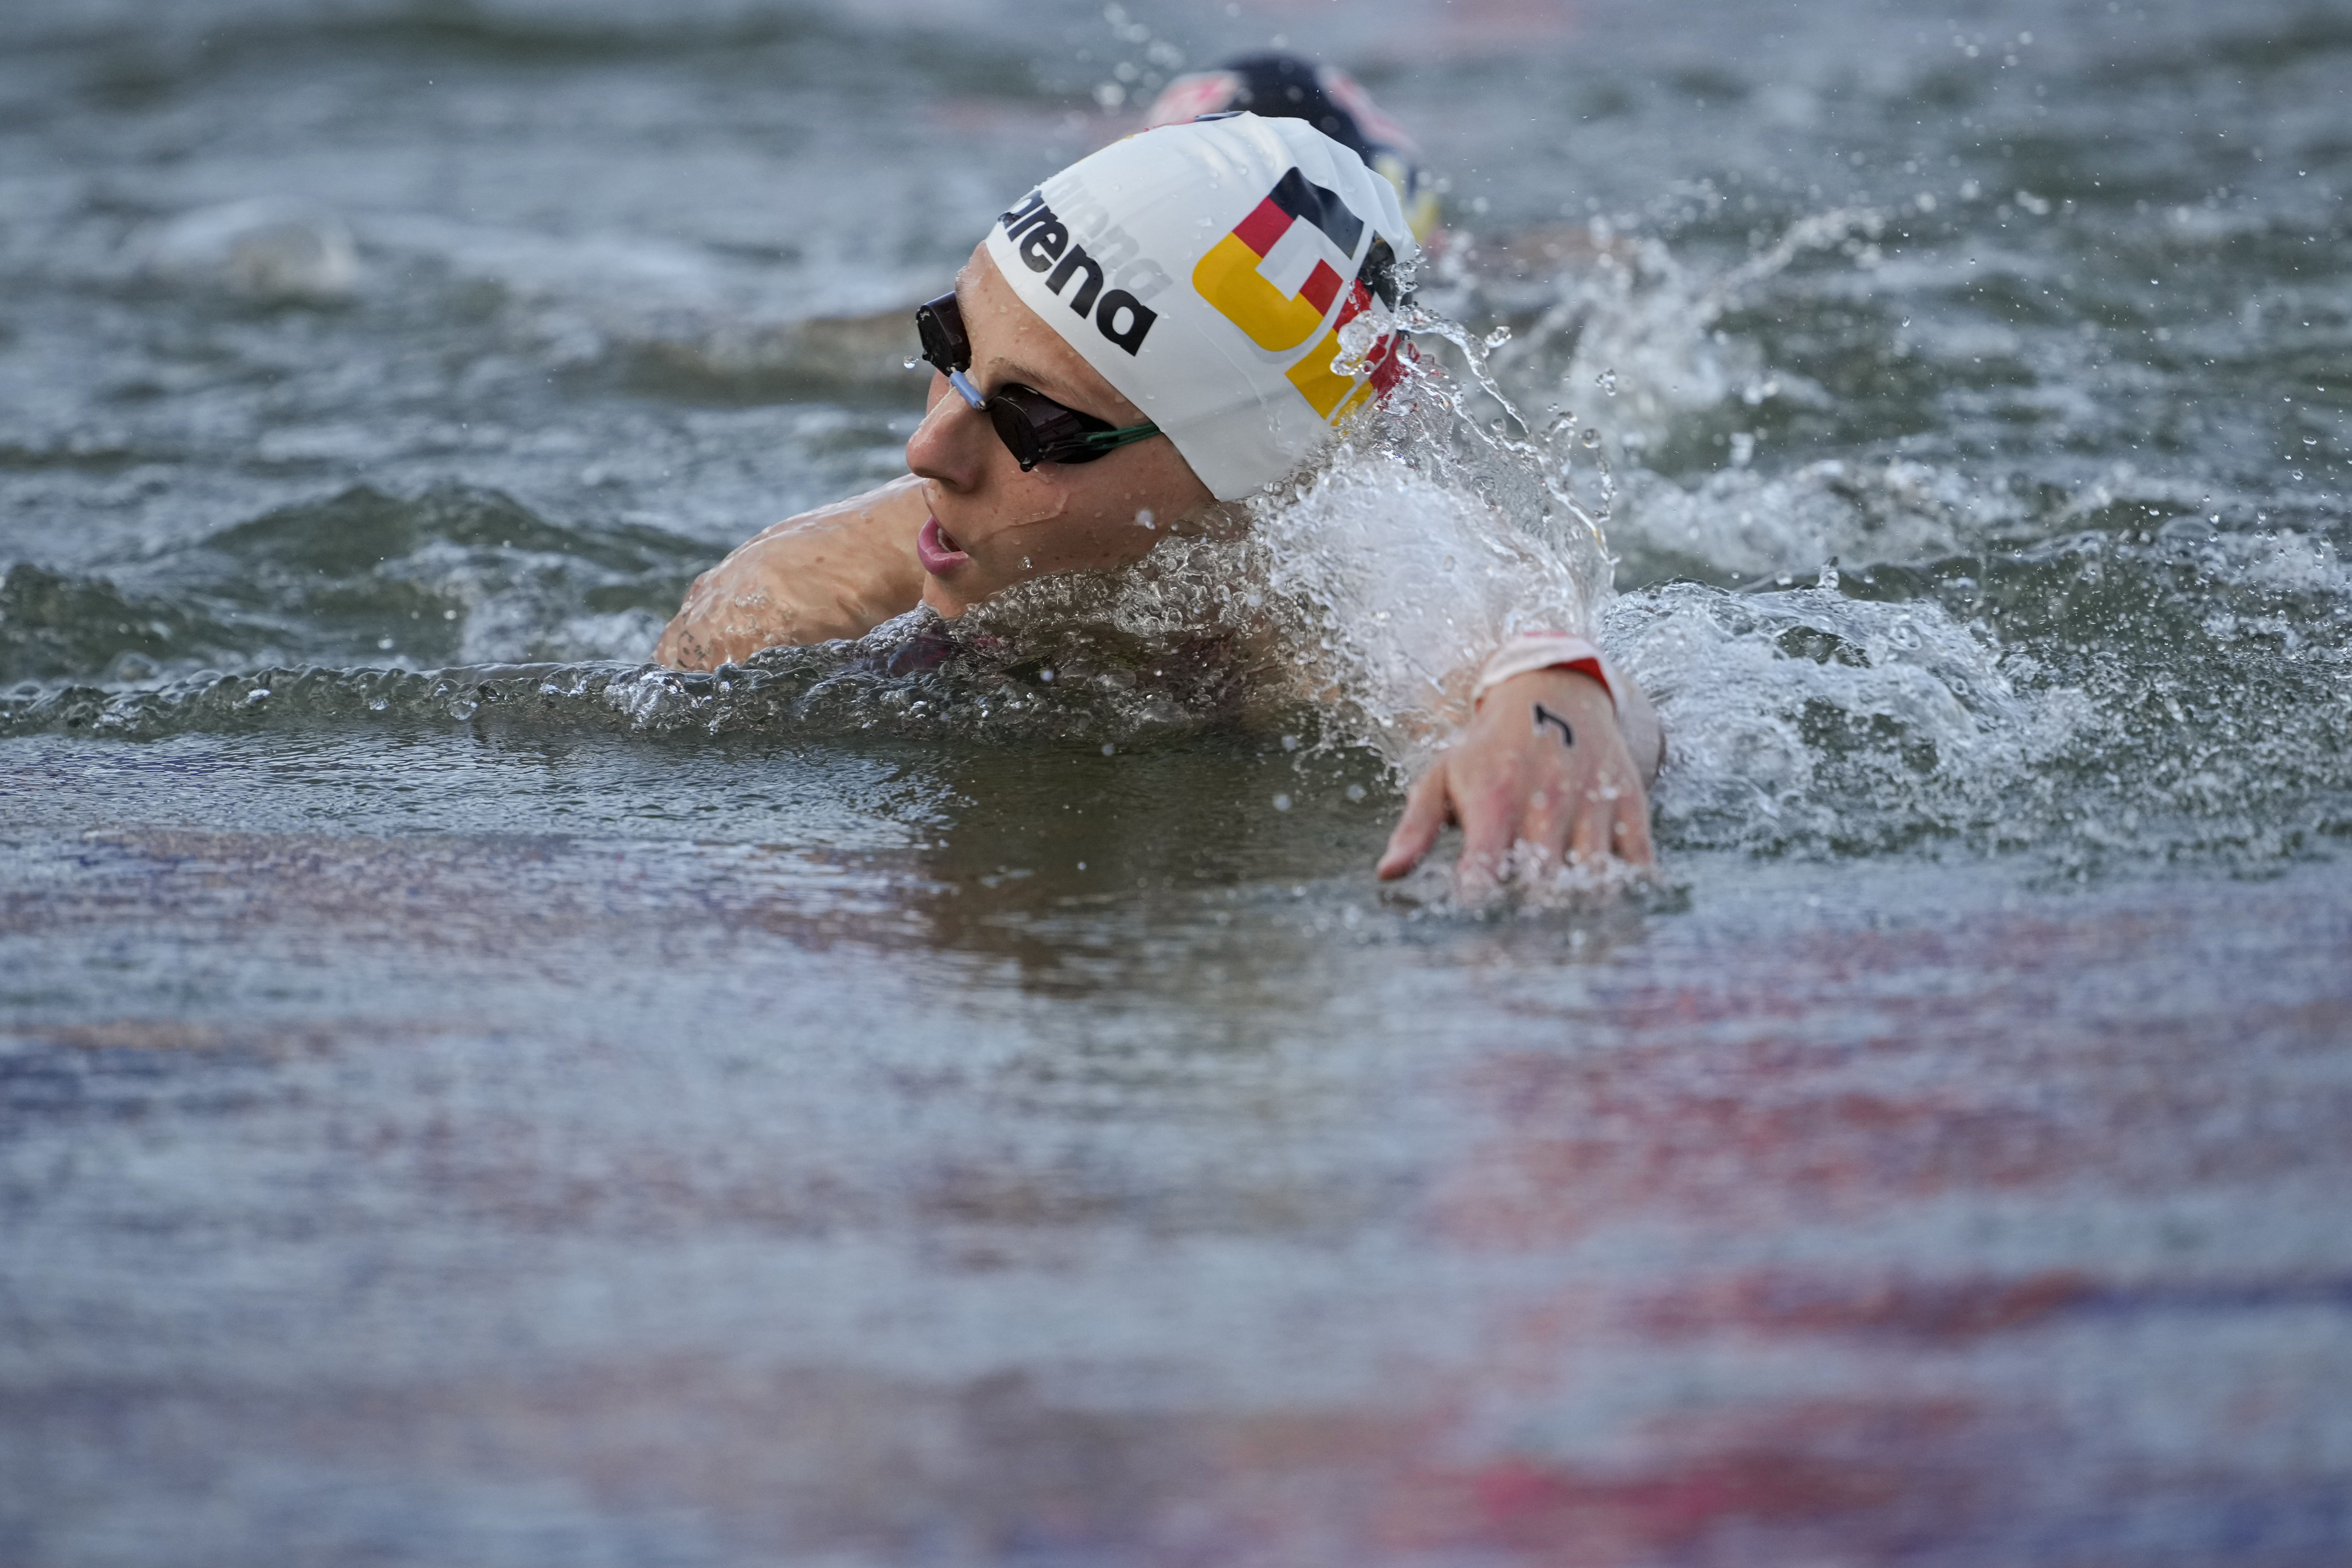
{"x":837,"y":571}
{"x":1547,"y":766}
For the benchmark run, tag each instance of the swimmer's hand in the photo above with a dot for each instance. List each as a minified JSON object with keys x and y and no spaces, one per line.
{"x":1544,"y":775}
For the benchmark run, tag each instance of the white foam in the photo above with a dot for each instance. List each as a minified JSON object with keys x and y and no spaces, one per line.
{"x":1403,"y":582}
{"x":1764,"y":696}
{"x":1743,"y":523}
{"x":1627,"y":340}
{"x":269,"y":247}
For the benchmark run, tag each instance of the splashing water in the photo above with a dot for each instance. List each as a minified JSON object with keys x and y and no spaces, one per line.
{"x":1913,"y":701}
{"x":1376,"y":580}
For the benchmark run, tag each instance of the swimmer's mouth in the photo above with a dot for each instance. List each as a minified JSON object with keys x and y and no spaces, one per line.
{"x":936,"y":551}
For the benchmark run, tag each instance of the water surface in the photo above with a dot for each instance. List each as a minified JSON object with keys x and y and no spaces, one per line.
{"x":468,"y":1098}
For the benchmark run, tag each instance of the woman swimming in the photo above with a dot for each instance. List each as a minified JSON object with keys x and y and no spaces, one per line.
{"x":1172,"y":323}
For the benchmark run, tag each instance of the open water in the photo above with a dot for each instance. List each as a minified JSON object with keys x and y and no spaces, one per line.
{"x":468,"y":1098}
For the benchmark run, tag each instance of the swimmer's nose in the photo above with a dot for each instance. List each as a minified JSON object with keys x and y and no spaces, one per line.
{"x":948,"y":446}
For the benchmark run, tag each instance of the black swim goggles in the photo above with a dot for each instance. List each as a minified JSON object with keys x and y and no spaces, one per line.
{"x":1034,"y":427}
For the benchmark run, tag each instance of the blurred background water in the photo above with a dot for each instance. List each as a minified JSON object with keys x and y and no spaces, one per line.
{"x":466,"y":1097}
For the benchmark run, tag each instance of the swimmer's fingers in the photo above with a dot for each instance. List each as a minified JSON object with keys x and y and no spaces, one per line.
{"x":1547,"y":826}
{"x":1490,"y":815}
{"x":1614,"y":822}
{"x":1632,"y":830}
{"x":1589,"y":840}
{"x":1425,"y":809}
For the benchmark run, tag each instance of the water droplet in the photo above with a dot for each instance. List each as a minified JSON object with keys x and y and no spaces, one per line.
{"x":1355,"y":792}
{"x":1607,"y":381}
{"x":911,"y":362}
{"x":1282,"y":803}
{"x":1590,"y":437}
{"x":1144,"y":517}
{"x":1107,"y":749}
{"x":1290,"y":742}
{"x":2310,"y":440}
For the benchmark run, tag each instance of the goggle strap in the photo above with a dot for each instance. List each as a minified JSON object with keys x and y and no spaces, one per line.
{"x":1111,"y":440}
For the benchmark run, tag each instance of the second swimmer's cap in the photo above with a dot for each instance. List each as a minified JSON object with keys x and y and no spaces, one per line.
{"x":1207,"y":270}
{"x":1324,"y":96}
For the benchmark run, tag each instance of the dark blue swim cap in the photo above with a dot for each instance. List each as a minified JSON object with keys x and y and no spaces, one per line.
{"x":1286,"y":86}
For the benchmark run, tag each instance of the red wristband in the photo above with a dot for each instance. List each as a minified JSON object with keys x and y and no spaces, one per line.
{"x":1531,"y":651}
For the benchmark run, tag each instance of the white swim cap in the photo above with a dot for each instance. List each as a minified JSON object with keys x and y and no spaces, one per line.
{"x":1205,"y":269}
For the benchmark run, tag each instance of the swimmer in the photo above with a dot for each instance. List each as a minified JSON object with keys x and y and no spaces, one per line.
{"x":1286,"y":86}
{"x":1112,"y":349}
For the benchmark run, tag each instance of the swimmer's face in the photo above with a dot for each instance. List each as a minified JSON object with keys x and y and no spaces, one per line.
{"x":995,"y":525}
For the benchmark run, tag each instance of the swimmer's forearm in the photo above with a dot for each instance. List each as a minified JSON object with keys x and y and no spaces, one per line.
{"x":874,"y":511}
{"x":837,"y":571}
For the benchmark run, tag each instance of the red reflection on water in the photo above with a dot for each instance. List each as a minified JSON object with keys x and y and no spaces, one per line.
{"x":1541,"y":1511}
{"x":1782,"y":1301}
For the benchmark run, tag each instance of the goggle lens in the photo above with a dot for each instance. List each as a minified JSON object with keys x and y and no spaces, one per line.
{"x":1034,"y":427}
{"x":940,"y":322}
